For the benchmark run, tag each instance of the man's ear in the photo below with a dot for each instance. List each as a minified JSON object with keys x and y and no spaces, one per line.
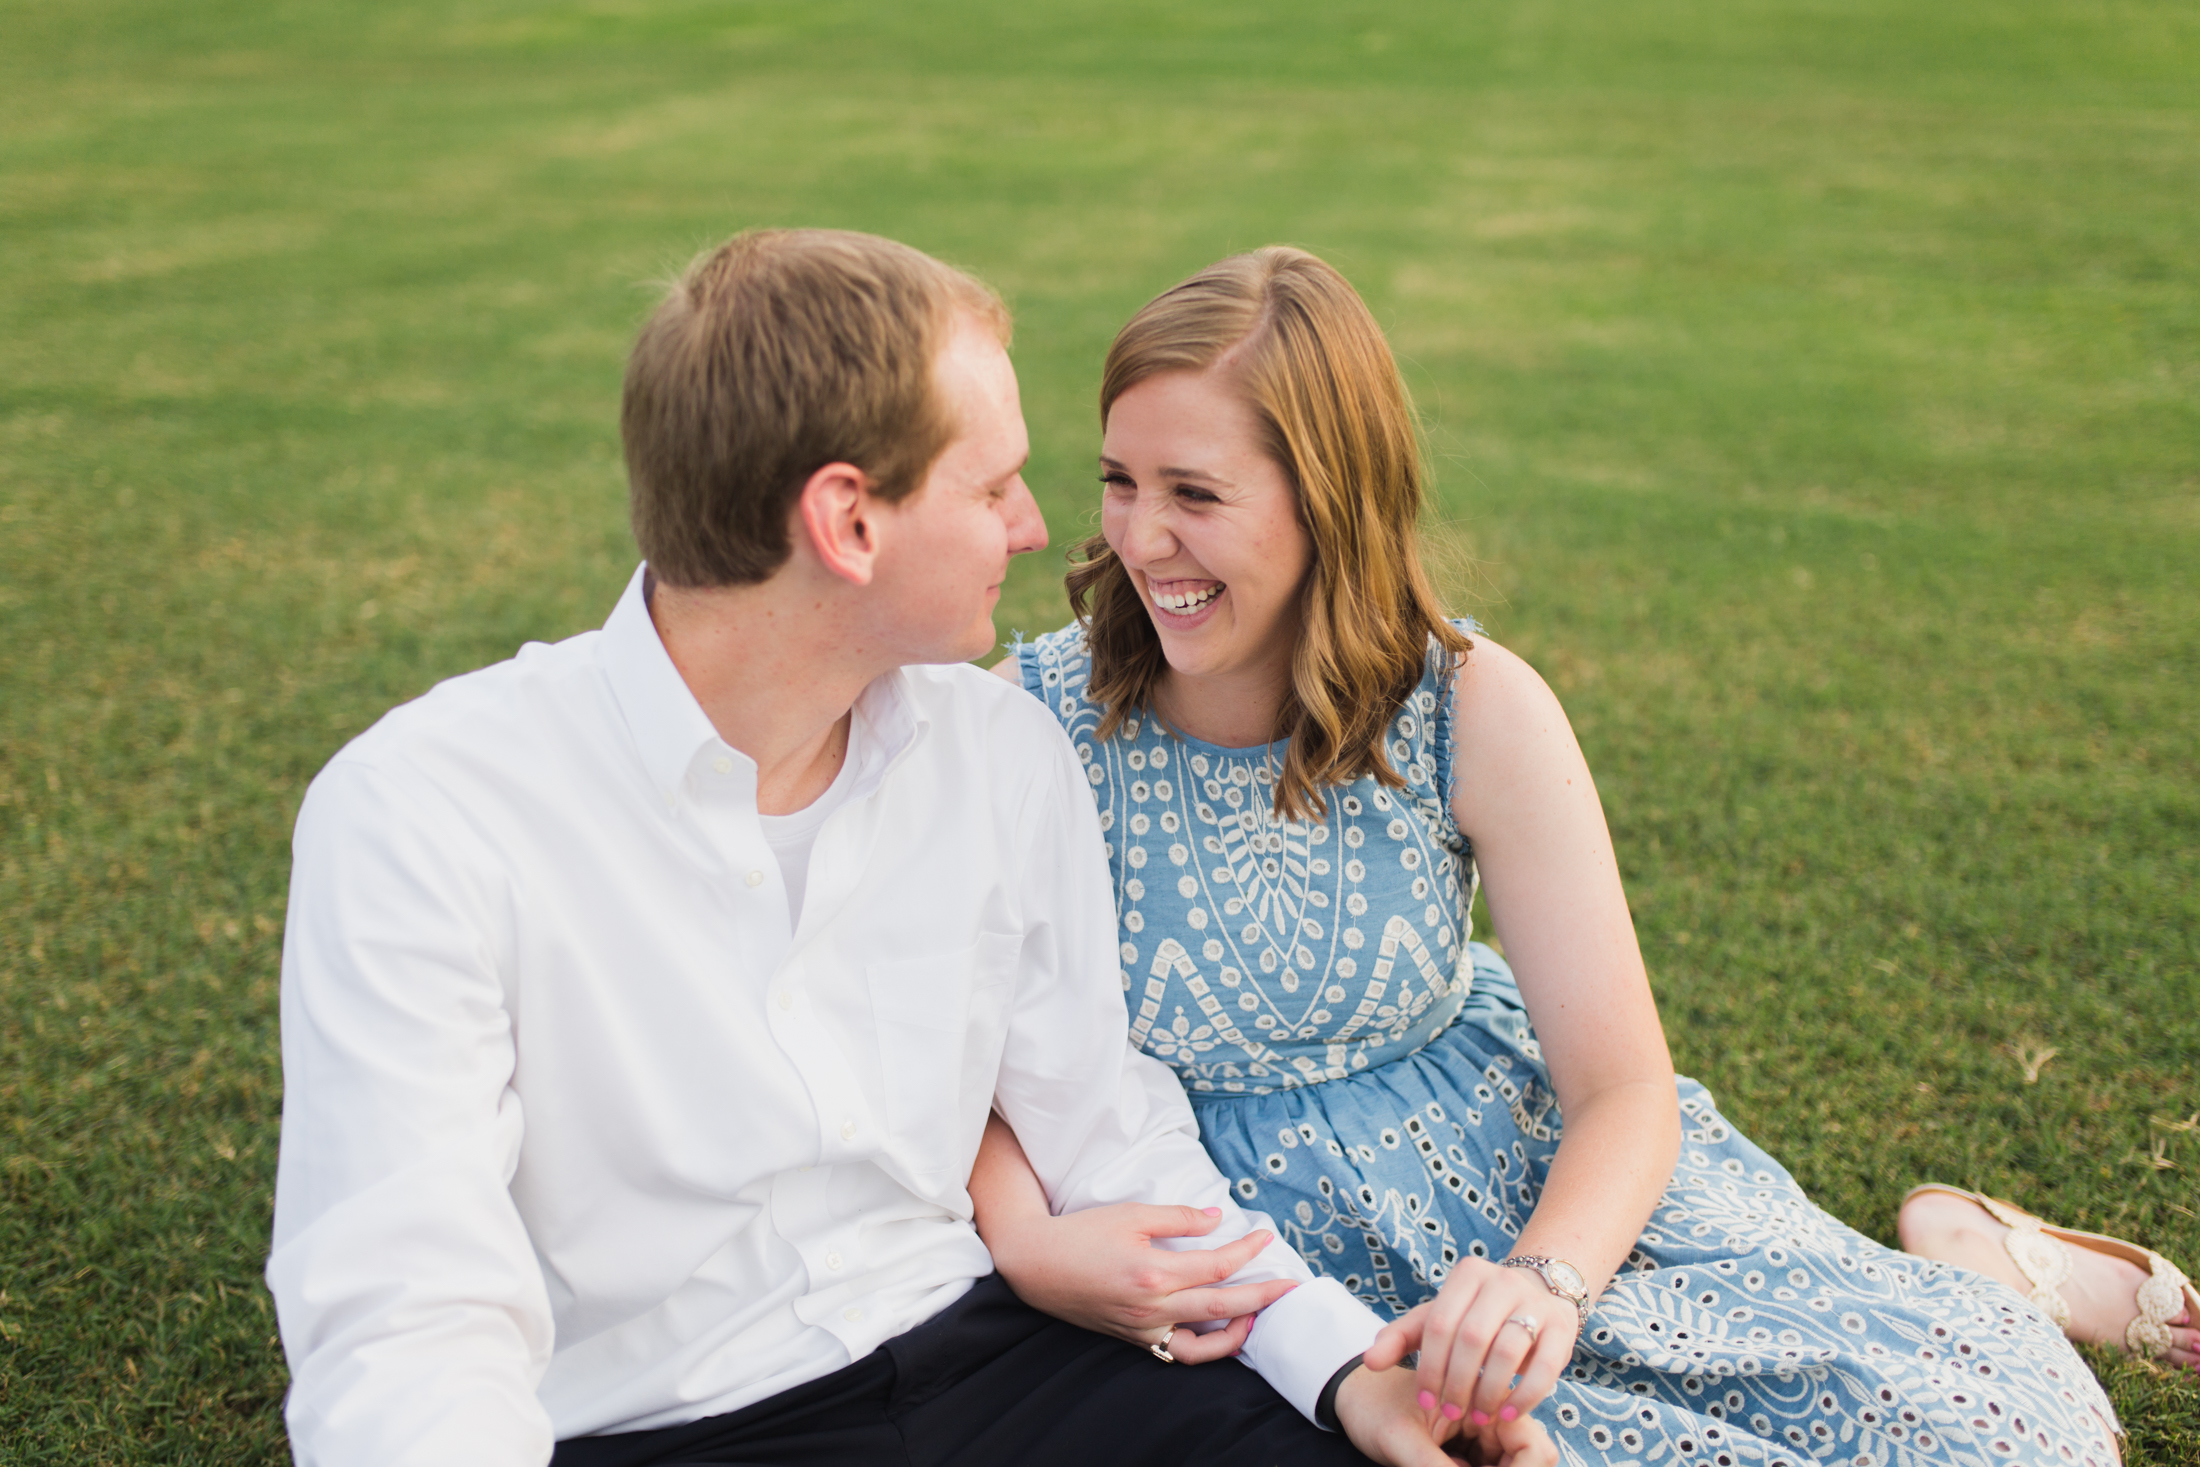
{"x":835,"y":512}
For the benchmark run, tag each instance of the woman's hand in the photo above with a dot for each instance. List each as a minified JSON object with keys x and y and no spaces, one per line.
{"x":1099,"y":1269}
{"x":1471,"y":1350}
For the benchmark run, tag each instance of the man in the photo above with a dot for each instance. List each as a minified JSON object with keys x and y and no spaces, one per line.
{"x":644,"y":996}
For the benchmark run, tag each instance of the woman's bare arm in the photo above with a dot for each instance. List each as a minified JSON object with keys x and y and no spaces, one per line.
{"x":1523,"y":795}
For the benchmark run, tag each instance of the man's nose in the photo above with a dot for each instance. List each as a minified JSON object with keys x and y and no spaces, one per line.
{"x":1027,"y":527}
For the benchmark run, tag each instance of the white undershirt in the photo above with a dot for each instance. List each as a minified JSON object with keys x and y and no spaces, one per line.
{"x":792,"y":836}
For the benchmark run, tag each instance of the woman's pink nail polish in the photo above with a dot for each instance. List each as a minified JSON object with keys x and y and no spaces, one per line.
{"x":1480,"y":1420}
{"x":1428,"y":1401}
{"x":1212,"y":1211}
{"x":1508,"y":1413}
{"x":1451,"y":1412}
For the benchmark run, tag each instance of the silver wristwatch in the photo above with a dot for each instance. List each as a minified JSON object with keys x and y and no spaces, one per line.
{"x":1561,"y":1278}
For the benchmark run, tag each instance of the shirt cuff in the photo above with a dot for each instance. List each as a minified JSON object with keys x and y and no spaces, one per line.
{"x":1298,"y":1342}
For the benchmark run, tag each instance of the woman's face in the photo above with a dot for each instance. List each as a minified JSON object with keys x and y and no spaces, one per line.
{"x":1206,"y":523}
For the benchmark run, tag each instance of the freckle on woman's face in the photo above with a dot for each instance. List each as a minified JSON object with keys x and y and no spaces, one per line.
{"x":1206,"y":523}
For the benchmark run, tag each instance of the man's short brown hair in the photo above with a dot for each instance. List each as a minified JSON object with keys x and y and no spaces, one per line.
{"x":779,"y":352}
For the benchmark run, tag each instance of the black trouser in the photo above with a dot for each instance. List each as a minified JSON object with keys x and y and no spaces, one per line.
{"x":991,"y":1380}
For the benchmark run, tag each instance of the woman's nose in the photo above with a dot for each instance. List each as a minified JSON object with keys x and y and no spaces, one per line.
{"x":1147,"y":538}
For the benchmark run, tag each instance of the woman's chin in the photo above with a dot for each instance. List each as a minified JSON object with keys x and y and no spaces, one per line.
{"x":1192,"y":656}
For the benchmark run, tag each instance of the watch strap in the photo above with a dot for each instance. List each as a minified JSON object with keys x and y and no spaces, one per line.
{"x":1325,"y":1405}
{"x":1541,"y":1266}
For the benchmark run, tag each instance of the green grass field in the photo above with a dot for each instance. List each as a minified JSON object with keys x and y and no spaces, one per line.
{"x":1814,"y":391}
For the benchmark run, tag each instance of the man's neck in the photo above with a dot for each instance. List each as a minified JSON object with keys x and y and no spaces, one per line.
{"x":776,"y":673}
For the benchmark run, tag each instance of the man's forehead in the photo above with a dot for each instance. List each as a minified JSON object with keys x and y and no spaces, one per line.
{"x":972,"y":349}
{"x":979,"y":383}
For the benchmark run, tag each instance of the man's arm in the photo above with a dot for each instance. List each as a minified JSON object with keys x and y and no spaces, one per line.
{"x":1102,"y":1123}
{"x":413,"y":1311}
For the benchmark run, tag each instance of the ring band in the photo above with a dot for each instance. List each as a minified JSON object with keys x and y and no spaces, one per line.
{"x":1161,"y":1351}
{"x":1529,"y":1323}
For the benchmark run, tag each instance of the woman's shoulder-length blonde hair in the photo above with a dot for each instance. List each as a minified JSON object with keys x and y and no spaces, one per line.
{"x":1320,"y":377}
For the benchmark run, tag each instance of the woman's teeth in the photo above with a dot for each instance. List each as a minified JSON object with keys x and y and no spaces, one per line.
{"x":1187,"y":600}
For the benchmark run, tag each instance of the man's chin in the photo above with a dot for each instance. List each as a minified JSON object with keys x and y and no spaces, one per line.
{"x":985,"y":637}
{"x":974,"y":643}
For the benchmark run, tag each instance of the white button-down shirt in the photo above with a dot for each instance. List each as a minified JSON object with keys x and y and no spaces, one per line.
{"x":580,"y":1135}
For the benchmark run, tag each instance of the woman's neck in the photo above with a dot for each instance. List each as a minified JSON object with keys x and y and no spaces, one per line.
{"x":1237,"y":710}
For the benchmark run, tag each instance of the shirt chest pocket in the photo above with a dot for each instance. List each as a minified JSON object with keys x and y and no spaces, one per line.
{"x":942,"y":1023}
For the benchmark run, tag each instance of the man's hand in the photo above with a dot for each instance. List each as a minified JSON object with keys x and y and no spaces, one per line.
{"x":1099,"y":1269}
{"x":1378,"y":1412}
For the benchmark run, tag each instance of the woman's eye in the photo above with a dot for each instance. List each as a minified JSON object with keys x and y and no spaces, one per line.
{"x":1117,"y":481}
{"x":1196,"y":496}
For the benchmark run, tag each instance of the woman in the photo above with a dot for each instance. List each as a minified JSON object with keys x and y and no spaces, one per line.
{"x":1303,"y":773}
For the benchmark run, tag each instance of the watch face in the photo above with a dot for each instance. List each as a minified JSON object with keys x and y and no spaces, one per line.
{"x":1566,"y":1278}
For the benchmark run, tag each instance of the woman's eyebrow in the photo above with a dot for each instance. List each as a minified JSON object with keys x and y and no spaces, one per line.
{"x":1170,"y":471}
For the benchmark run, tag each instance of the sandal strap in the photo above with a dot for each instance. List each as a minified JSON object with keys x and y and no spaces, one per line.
{"x":2045,"y":1263}
{"x":2161,"y":1299}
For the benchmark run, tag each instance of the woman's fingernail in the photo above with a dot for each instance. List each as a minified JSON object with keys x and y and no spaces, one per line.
{"x":1508,"y":1413}
{"x":1479,"y":1419}
{"x":1428,"y":1401}
{"x":1451,"y":1412}
{"x":1212,"y":1211}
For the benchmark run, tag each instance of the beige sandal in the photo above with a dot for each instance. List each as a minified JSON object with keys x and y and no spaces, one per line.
{"x":2042,"y":1255}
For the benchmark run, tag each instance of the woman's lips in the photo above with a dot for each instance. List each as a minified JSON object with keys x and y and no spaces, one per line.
{"x":1184,"y":604}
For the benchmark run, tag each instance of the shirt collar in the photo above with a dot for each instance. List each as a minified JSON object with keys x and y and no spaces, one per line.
{"x":670,"y":729}
{"x":887,"y":724}
{"x":668,"y":726}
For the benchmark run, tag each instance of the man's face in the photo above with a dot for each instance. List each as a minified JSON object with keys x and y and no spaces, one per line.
{"x":945,"y":549}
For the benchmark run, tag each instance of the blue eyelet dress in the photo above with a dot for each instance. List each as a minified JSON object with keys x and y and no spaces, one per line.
{"x":1366,"y":1075}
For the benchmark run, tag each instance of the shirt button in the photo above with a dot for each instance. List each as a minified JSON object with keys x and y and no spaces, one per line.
{"x":832,"y":1260}
{"x":786,"y":1000}
{"x":847,"y":1130}
{"x":853,"y":1316}
{"x":754,"y":878}
{"x":722,"y":764}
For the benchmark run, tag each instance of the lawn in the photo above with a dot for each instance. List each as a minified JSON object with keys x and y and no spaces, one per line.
{"x":1814,"y":392}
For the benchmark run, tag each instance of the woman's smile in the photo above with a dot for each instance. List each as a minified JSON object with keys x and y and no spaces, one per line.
{"x":1183,"y":602}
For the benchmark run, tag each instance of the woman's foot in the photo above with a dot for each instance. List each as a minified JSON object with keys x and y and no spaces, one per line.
{"x":2102,"y":1290}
